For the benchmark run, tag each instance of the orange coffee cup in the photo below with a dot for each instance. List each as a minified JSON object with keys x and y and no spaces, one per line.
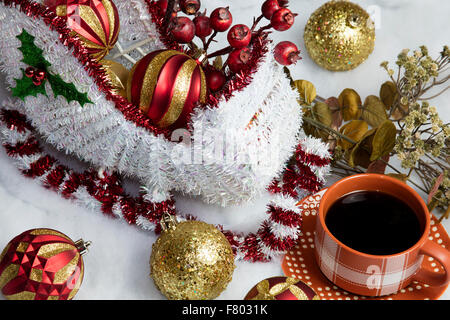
{"x":377,"y":275}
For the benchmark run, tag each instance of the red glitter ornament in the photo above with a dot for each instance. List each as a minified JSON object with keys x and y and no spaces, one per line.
{"x":42,"y":264}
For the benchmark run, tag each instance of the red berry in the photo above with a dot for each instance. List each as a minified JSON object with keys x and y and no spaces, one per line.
{"x":29,"y":72}
{"x":286,"y":53}
{"x":162,"y":4}
{"x":36,"y":81}
{"x":269,"y":7}
{"x":189,"y":7}
{"x":40,"y":75}
{"x":215,"y":80}
{"x":239,"y":36}
{"x":202,"y":26}
{"x":238,"y":59}
{"x":221,"y":19}
{"x":282,"y":19}
{"x":183,"y":30}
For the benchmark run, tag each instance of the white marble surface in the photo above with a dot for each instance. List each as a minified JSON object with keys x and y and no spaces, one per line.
{"x":117,"y":265}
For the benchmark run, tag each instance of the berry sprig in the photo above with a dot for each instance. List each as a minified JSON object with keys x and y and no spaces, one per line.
{"x":184,"y":30}
{"x":36,"y":75}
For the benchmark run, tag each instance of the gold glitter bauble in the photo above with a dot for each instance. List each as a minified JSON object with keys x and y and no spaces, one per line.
{"x":191,"y":260}
{"x":339,"y":35}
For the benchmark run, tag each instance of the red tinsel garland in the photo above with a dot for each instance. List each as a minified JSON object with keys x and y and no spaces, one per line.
{"x":109,"y":193}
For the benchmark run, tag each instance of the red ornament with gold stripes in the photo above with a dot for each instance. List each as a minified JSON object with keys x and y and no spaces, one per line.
{"x":95,"y":22}
{"x":42,"y":264}
{"x":167,"y":85}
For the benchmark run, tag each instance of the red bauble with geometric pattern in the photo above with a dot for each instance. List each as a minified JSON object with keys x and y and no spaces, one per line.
{"x":42,"y":264}
{"x":94,"y":22}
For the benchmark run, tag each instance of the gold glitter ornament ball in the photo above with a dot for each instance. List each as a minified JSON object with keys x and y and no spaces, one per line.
{"x":191,"y":260}
{"x":339,"y":35}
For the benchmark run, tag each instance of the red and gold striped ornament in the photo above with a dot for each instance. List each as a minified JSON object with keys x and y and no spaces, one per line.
{"x":95,"y":22}
{"x":42,"y":264}
{"x":281,"y":288}
{"x":167,"y":85}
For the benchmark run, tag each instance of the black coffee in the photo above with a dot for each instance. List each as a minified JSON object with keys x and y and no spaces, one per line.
{"x":373,"y":222}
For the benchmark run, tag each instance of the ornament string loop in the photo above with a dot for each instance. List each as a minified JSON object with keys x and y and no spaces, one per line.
{"x":82,"y":246}
{"x":168,"y":222}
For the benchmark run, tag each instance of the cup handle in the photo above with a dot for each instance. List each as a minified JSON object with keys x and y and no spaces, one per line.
{"x":435,"y":279}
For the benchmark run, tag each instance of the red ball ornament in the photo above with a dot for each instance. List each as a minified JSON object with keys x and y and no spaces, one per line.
{"x":269,"y":7}
{"x":183,"y":30}
{"x":167,"y":85}
{"x":238,"y":59}
{"x":286,"y":53}
{"x":221,"y":19}
{"x":202,"y":26}
{"x":281,"y":288}
{"x":42,"y":264}
{"x":94,"y":22}
{"x":215,"y":80}
{"x":239,"y":36}
{"x":282,"y":19}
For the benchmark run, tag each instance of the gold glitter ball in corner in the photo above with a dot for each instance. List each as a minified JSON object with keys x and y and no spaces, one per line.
{"x":191,"y":260}
{"x":339,"y":35}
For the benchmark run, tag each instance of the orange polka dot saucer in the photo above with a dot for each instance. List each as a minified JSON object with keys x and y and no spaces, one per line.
{"x":300,"y":263}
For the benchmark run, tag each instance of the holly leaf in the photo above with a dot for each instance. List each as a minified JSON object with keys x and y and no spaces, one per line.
{"x":67,"y":90}
{"x":32,"y":55}
{"x":25,"y":87}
